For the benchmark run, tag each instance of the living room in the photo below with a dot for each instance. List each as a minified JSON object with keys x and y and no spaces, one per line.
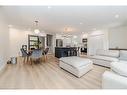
{"x":82,"y":47}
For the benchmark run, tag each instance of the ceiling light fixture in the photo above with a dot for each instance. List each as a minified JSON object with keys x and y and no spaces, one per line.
{"x":80,"y":23}
{"x":10,"y":26}
{"x":116,"y":16}
{"x":49,"y":7}
{"x":67,"y":29}
{"x":36,"y":30}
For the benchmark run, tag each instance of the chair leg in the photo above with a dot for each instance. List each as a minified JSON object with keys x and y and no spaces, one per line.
{"x":23,"y":59}
{"x":31,"y":61}
{"x":40,"y":60}
{"x":46,"y":57}
{"x":27,"y":58}
{"x":43,"y":58}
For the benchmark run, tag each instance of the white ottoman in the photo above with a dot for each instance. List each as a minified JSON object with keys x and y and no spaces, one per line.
{"x":76,"y":65}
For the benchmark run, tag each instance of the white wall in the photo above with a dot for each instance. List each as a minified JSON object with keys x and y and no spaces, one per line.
{"x":18,"y":37}
{"x":4,"y":41}
{"x":118,"y":37}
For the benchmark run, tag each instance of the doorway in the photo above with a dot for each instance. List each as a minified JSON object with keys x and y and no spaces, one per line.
{"x":49,"y":41}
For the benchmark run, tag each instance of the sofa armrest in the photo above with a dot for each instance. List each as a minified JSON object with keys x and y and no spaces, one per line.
{"x":112,"y":80}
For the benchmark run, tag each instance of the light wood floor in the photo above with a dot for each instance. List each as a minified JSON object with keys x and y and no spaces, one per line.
{"x":47,"y":76}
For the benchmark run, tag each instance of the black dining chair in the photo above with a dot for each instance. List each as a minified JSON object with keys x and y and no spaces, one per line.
{"x":45,"y":52}
{"x":25,"y":55}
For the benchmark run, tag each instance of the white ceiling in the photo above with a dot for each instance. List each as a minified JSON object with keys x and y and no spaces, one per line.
{"x":56,"y":18}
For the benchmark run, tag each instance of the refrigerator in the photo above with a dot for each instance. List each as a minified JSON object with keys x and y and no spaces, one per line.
{"x":59,"y":43}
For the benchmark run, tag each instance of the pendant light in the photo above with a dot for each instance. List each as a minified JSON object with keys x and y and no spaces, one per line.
{"x":36,"y":30}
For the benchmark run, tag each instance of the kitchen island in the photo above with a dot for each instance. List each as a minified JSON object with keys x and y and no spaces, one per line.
{"x":65,"y":51}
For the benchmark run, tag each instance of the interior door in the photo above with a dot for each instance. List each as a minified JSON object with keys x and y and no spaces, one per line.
{"x":59,"y":42}
{"x":50,"y":42}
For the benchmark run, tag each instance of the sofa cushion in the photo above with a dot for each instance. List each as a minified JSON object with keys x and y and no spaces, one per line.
{"x":75,"y":61}
{"x":112,"y":80}
{"x":109,"y":53}
{"x":123,"y":55}
{"x":105,"y":58}
{"x":119,"y":67}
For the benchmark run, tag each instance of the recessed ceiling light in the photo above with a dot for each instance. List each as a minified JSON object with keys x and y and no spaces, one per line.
{"x":49,"y":7}
{"x":81,"y":23}
{"x":116,"y":16}
{"x":68,"y":29}
{"x":10,"y":25}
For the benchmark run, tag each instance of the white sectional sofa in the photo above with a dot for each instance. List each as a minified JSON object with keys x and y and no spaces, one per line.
{"x":105,"y":57}
{"x":111,"y":80}
{"x":117,"y":77}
